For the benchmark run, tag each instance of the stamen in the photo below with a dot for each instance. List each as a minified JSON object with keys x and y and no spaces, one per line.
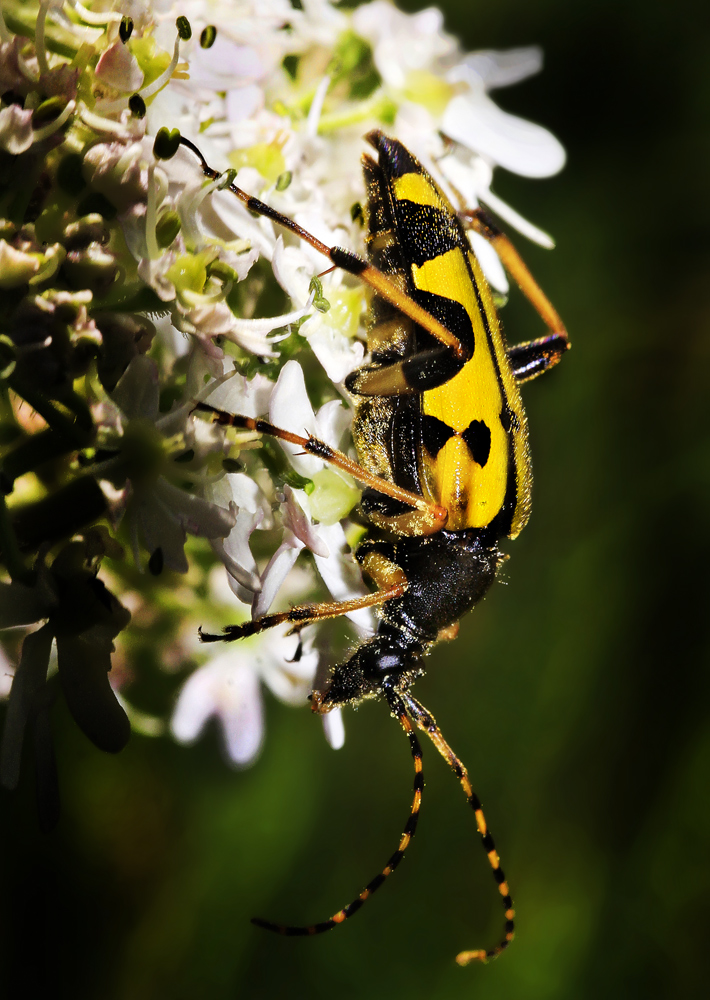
{"x":54,"y":258}
{"x":151,"y":240}
{"x":51,"y":127}
{"x":188,"y":206}
{"x":40,"y":48}
{"x":96,"y":17}
{"x":101,"y":124}
{"x":165,"y":76}
{"x":147,"y":92}
{"x":515,"y":219}
{"x":316,"y":108}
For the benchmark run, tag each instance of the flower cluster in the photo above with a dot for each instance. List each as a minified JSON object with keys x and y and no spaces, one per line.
{"x":132,"y":289}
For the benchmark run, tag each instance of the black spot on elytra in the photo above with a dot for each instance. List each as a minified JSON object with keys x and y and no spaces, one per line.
{"x":478,"y":438}
{"x":435,"y":434}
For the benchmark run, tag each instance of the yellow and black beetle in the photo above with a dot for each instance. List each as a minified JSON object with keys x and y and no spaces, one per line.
{"x":441,"y":438}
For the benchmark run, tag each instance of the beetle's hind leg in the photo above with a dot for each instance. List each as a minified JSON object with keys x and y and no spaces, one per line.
{"x":435,"y":515}
{"x":537,"y":356}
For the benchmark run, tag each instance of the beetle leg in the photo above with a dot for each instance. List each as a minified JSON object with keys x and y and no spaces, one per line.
{"x":548,"y":350}
{"x":305,"y":614}
{"x":313,"y":446}
{"x":414,"y":374}
{"x":345,"y":259}
{"x":536,"y":356}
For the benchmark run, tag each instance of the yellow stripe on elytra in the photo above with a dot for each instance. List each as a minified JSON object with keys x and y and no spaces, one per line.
{"x":416,"y":188}
{"x":511,"y":389}
{"x":472,"y":494}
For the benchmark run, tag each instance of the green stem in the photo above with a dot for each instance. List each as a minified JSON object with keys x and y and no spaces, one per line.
{"x":74,"y":431}
{"x":30,"y":453}
{"x":80,"y":408}
{"x":21,"y":20}
{"x":64,"y":513}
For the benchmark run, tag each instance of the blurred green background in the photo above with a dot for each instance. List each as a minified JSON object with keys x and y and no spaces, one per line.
{"x":577,"y":693}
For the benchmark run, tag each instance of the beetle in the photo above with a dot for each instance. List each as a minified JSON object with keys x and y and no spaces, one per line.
{"x":441,"y":438}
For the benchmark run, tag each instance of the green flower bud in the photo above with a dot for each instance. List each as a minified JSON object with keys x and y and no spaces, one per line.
{"x":167,"y":229}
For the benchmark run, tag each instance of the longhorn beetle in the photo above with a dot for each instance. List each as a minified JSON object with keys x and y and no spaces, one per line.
{"x":442,"y":445}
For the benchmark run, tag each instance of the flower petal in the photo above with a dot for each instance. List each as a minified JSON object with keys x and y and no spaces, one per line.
{"x":297,"y":518}
{"x":278,"y":568}
{"x":341,"y":574}
{"x":511,"y":142}
{"x":490,"y":263}
{"x":500,"y":69}
{"x":237,"y":557}
{"x":334,"y":729}
{"x":339,"y":355}
{"x":242,"y":718}
{"x":291,"y":409}
{"x":84,"y":674}
{"x":29,"y":679}
{"x":231,"y":692}
{"x":118,"y":68}
{"x":197,"y":516}
{"x":16,"y":133}
{"x":332,"y":420}
{"x":136,"y":393}
{"x":249,"y":397}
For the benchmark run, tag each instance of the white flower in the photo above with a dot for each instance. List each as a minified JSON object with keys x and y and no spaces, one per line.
{"x":299,"y":533}
{"x":160,"y":513}
{"x":403,"y":43}
{"x":291,"y":409}
{"x":477,"y":123}
{"x":253,"y":511}
{"x":330,"y":334}
{"x":119,"y":69}
{"x":7,"y":672}
{"x":16,"y":133}
{"x":236,"y":394}
{"x":229,"y":688}
{"x":275,"y":101}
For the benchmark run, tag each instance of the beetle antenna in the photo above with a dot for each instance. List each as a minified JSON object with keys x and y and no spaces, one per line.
{"x":427,"y":723}
{"x":398,"y":710}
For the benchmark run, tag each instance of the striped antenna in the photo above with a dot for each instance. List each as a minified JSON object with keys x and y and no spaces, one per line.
{"x":427,"y":723}
{"x":398,"y":710}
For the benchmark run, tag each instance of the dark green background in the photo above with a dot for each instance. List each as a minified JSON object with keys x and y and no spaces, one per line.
{"x":577,"y":693}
